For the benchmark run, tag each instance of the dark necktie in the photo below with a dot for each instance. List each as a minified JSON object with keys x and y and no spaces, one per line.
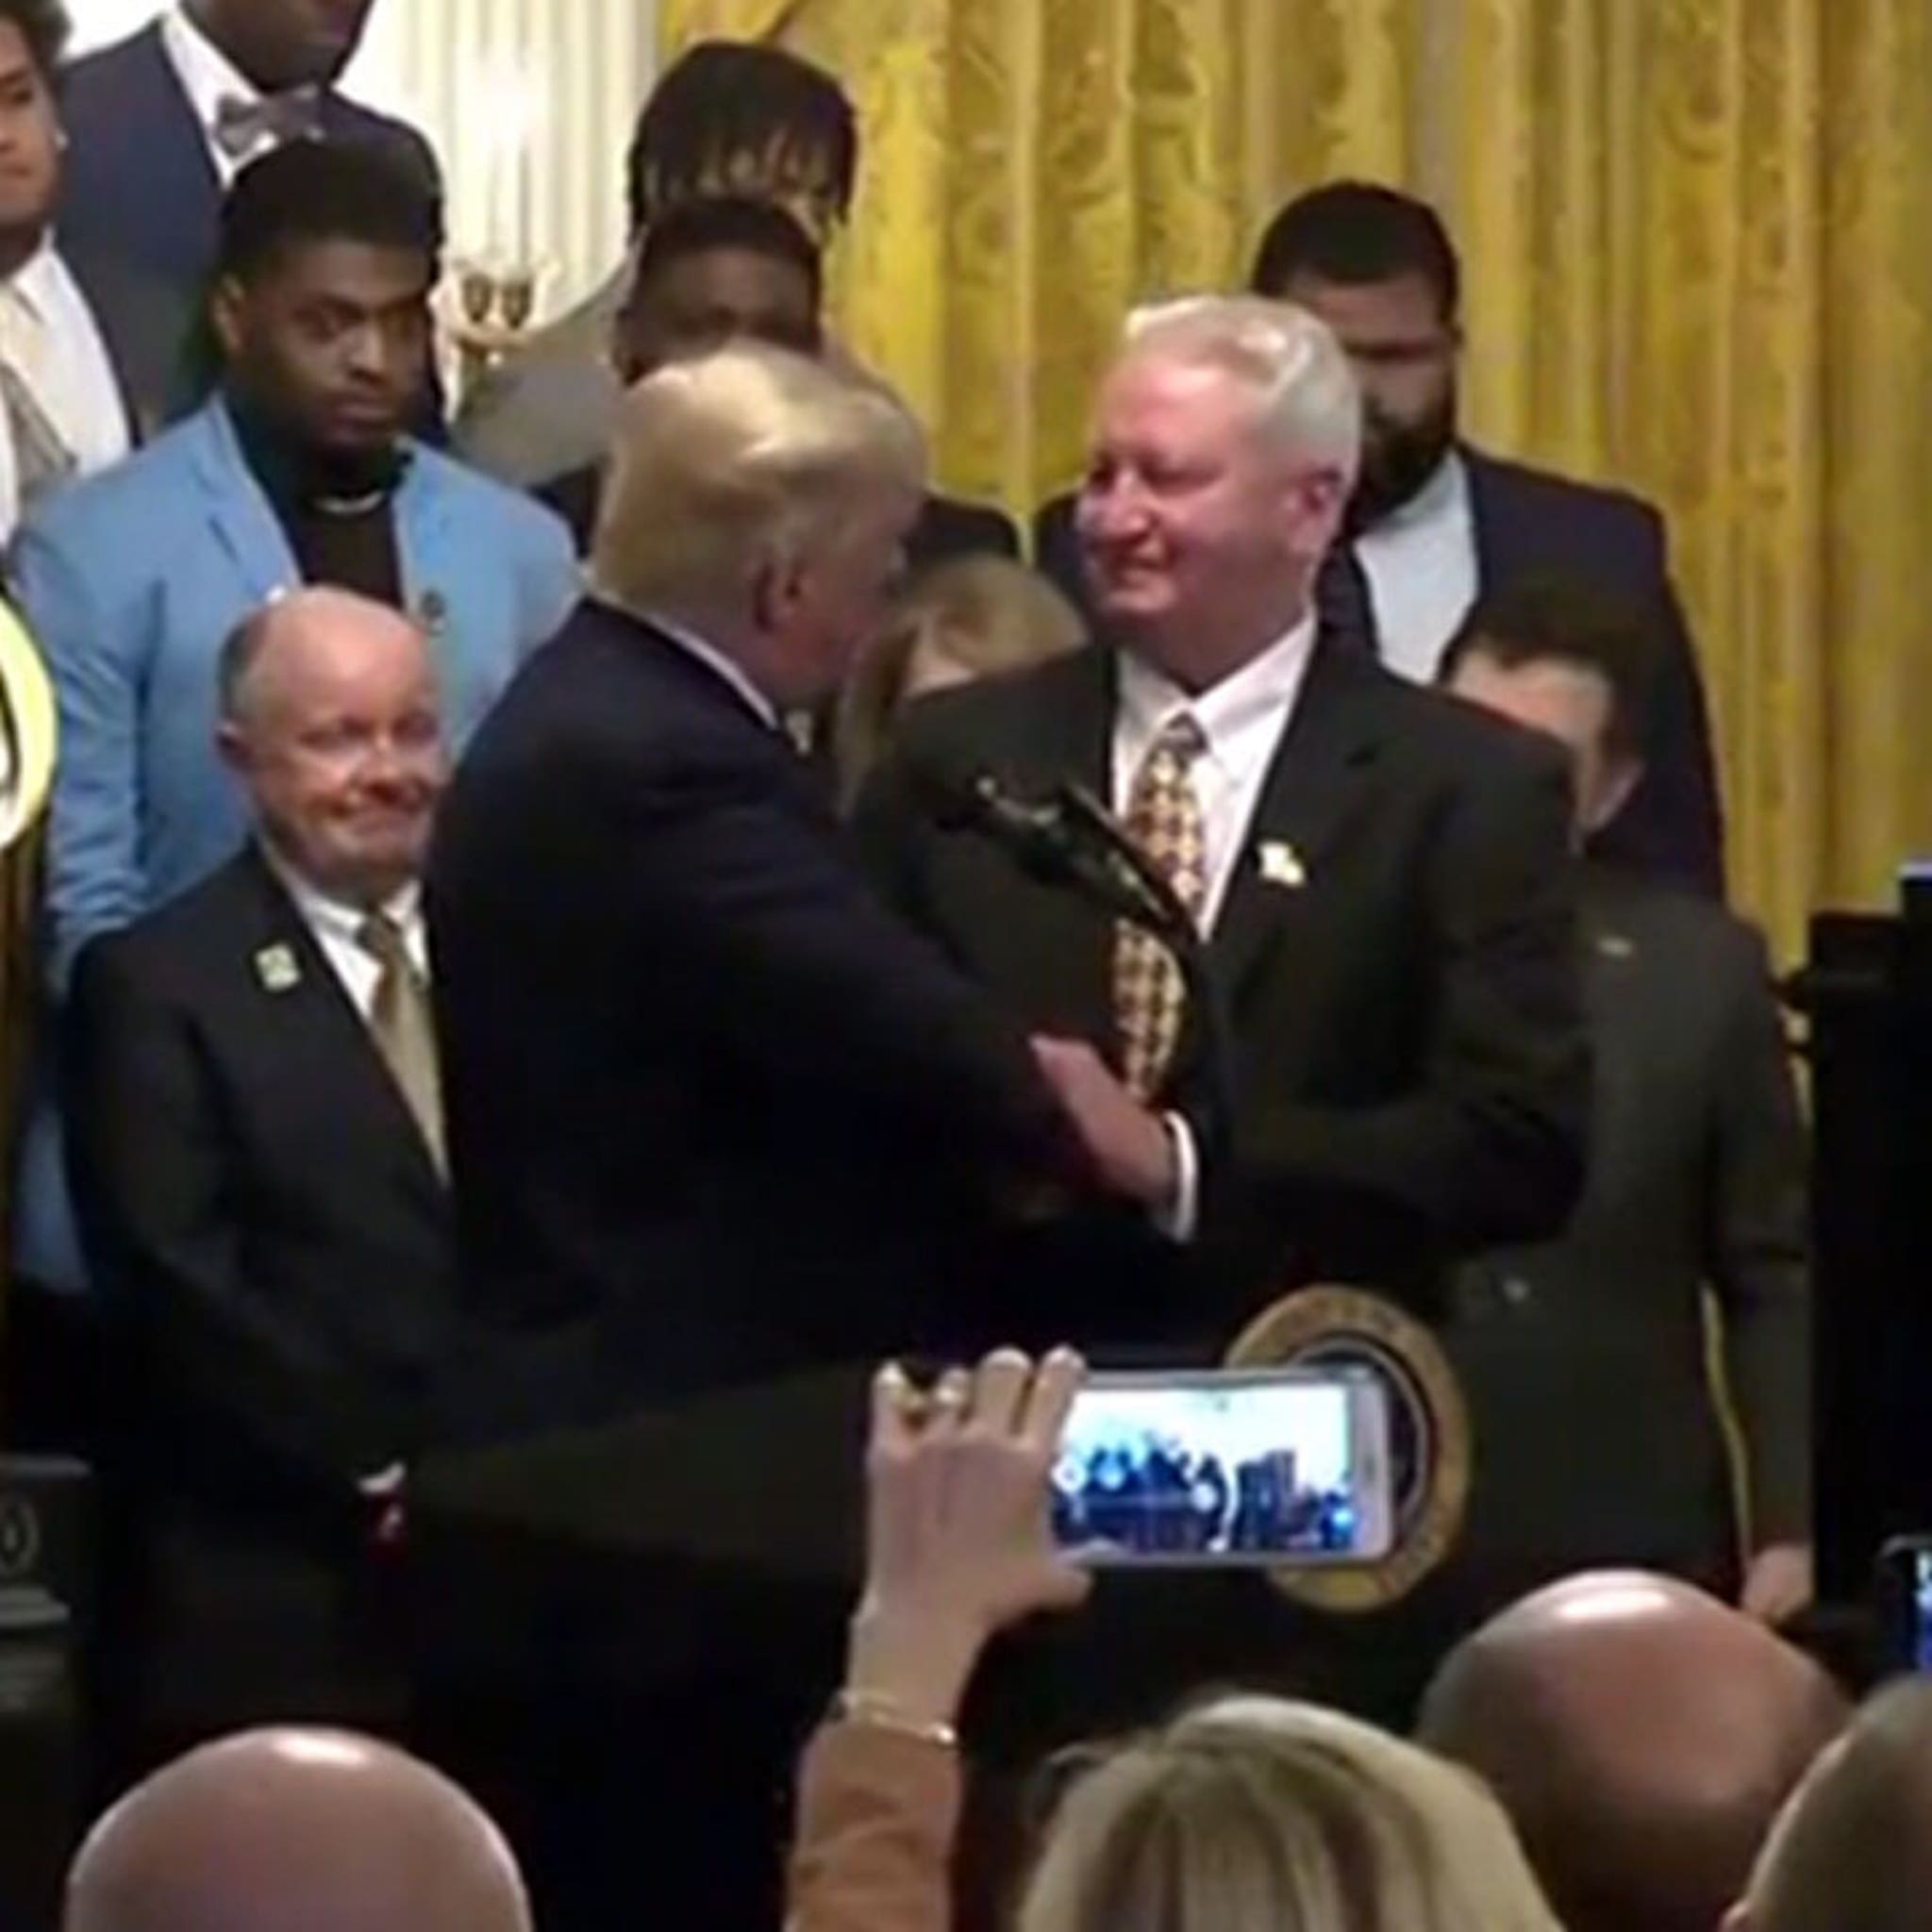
{"x":1343,"y":604}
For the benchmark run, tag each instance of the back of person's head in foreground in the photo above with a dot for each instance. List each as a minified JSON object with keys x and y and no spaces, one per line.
{"x":1640,"y":1735}
{"x":759,"y":497}
{"x":1852,"y":1850}
{"x":1254,"y":1815}
{"x":295,"y":1830}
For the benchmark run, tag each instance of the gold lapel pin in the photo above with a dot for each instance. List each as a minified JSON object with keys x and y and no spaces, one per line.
{"x":275,"y":967}
{"x":1281,"y":864}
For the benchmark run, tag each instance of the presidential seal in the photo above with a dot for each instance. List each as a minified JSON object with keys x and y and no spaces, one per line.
{"x":1428,"y":1433}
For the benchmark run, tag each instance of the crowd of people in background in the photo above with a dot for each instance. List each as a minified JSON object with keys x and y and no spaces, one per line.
{"x":513,"y":956}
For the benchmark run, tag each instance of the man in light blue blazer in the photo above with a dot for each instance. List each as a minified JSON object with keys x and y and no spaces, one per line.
{"x":297,"y":471}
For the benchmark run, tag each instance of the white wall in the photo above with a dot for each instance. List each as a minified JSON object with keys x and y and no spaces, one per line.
{"x":528,"y":102}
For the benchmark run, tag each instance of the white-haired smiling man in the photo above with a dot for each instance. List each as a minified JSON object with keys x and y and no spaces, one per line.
{"x":1380,"y":877}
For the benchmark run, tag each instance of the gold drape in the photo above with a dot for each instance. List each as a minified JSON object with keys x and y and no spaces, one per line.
{"x":1698,"y":244}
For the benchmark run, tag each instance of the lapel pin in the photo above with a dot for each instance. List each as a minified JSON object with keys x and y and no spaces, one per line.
{"x":1281,"y":865}
{"x":275,"y":967}
{"x":1613,"y":945}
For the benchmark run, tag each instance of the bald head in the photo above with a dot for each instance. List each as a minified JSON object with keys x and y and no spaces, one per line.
{"x":288,"y":638}
{"x":1853,"y":1851}
{"x":1642,"y":1735}
{"x":329,"y":717}
{"x":295,"y":1831}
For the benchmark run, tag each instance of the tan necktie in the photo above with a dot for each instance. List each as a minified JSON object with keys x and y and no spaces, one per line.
{"x":44,"y":459}
{"x":404,"y":1031}
{"x":1165,"y":820}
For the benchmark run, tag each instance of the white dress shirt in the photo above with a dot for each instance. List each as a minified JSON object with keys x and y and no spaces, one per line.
{"x":1242,"y":719}
{"x":49,"y":338}
{"x":335,"y":924}
{"x":1421,"y":564}
{"x":209,"y":78}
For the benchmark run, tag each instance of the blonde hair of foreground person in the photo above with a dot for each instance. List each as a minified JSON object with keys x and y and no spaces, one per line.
{"x":749,"y":457}
{"x":969,"y":617}
{"x":1255,"y":1815}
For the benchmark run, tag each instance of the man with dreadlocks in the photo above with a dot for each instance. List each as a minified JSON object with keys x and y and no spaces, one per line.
{"x":727,"y":118}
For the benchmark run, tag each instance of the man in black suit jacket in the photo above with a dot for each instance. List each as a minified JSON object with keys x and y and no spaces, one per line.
{"x":712,"y":270}
{"x":1599,"y":1439}
{"x":259,"y":1183}
{"x":1434,"y":521}
{"x":1392,"y":930}
{"x":714,"y":1115}
{"x":159,"y":125}
{"x":1385,"y":896}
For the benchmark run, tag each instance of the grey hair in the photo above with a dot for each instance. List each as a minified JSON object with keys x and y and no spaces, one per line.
{"x":1305,"y":391}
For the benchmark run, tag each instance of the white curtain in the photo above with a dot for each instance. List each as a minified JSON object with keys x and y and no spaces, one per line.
{"x":530,"y":103}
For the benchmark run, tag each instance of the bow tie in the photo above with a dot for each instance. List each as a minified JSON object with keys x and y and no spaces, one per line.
{"x":241,"y":127}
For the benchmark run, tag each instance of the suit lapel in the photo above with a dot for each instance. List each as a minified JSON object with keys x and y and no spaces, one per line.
{"x":302,"y":1002}
{"x":1071,"y":738}
{"x":1504,"y":540}
{"x":1311,"y":789}
{"x":176,"y":170}
{"x":426,"y":543}
{"x":238,"y":508}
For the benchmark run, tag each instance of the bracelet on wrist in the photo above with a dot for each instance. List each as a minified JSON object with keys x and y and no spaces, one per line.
{"x":881,"y":1713}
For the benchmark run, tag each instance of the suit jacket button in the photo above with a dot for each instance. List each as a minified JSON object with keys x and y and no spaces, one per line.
{"x":1517,"y":1292}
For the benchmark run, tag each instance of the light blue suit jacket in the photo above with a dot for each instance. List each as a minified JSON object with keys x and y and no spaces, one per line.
{"x":131,"y":583}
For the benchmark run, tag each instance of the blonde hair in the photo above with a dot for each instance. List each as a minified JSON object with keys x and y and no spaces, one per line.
{"x":1255,"y":1815}
{"x":730,"y":461}
{"x":1305,"y":391}
{"x":986,"y":613}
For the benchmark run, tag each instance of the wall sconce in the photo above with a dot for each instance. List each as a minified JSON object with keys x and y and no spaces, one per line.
{"x":493,"y":305}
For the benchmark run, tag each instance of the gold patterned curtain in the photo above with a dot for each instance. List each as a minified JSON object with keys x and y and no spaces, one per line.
{"x":1698,"y":243}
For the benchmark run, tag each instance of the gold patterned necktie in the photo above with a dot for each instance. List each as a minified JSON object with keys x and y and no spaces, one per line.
{"x":404,"y":1031}
{"x":1165,"y":820}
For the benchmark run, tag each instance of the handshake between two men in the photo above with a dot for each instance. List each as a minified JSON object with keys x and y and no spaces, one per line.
{"x":1133,"y":1151}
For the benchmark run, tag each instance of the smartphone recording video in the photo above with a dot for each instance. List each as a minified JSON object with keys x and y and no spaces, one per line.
{"x":1228,"y":1467}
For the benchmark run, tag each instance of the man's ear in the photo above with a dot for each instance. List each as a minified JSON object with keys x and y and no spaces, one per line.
{"x":226,"y":304}
{"x":231,"y":745}
{"x":775,"y":582}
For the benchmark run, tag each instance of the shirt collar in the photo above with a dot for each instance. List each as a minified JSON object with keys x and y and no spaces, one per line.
{"x":1230,"y":713}
{"x":715,"y":660}
{"x":1445,"y":494}
{"x":207,"y":74}
{"x":339,"y":919}
{"x":36,"y":283}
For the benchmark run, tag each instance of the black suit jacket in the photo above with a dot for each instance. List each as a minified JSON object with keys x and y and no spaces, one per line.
{"x":1531,"y":522}
{"x":713,"y":1114}
{"x":140,"y":208}
{"x":1584,"y":1358}
{"x":1409,"y":1076}
{"x":273,"y":1243}
{"x":946,"y":527}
